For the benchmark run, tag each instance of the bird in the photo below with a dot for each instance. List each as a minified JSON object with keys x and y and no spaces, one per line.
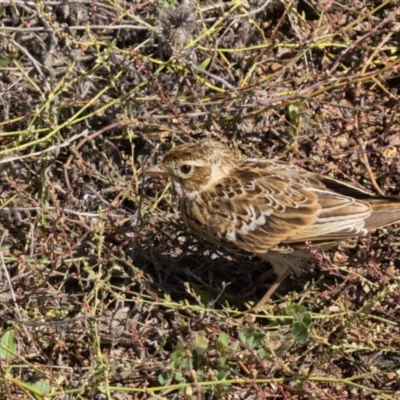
{"x":268,"y":207}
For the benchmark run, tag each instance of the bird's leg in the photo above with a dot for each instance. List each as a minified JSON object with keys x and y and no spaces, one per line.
{"x":272,"y":289}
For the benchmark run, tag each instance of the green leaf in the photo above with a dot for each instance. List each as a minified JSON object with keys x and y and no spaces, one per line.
{"x":4,"y":63}
{"x":164,"y":377}
{"x":205,"y":64}
{"x":200,"y":342}
{"x":178,"y":356}
{"x":43,"y":386}
{"x":222,"y":361}
{"x":245,"y":333}
{"x":8,"y":345}
{"x":294,"y":113}
{"x":204,"y":296}
{"x":221,"y":375}
{"x":223,"y":344}
{"x":299,"y":384}
{"x":305,"y":319}
{"x":251,"y":338}
{"x":179,"y":377}
{"x":262,"y":353}
{"x":301,"y":322}
{"x":294,"y":310}
{"x":300,"y":332}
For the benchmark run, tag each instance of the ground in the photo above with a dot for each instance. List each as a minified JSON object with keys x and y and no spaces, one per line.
{"x":104,"y":294}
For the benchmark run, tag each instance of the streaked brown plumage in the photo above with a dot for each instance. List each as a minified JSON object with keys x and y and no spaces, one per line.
{"x":270,"y":208}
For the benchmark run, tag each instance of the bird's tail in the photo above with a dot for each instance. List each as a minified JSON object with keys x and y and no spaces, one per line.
{"x":385,"y":211}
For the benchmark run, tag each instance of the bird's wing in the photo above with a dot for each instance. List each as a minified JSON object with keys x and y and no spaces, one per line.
{"x":266,"y":204}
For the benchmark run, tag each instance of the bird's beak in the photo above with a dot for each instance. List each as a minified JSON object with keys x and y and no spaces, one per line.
{"x":155,"y":170}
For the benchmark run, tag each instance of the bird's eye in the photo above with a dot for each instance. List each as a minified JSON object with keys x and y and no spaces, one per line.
{"x":185,"y":169}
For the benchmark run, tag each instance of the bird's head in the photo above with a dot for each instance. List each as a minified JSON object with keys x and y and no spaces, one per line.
{"x":196,"y":166}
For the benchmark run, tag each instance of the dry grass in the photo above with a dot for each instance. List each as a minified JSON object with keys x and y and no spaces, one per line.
{"x":104,"y":294}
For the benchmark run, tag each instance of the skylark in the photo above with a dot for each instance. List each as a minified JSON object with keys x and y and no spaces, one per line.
{"x":270,"y":208}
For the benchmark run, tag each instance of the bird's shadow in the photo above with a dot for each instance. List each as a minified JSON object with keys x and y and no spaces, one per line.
{"x":198,"y":271}
{"x":187,"y":268}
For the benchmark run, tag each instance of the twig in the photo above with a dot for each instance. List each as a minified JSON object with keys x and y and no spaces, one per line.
{"x":364,"y":159}
{"x":51,"y":148}
{"x":209,"y":74}
{"x":76,"y":28}
{"x":251,"y":13}
{"x":34,"y":62}
{"x":13,"y":297}
{"x":66,"y":210}
{"x":81,"y":143}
